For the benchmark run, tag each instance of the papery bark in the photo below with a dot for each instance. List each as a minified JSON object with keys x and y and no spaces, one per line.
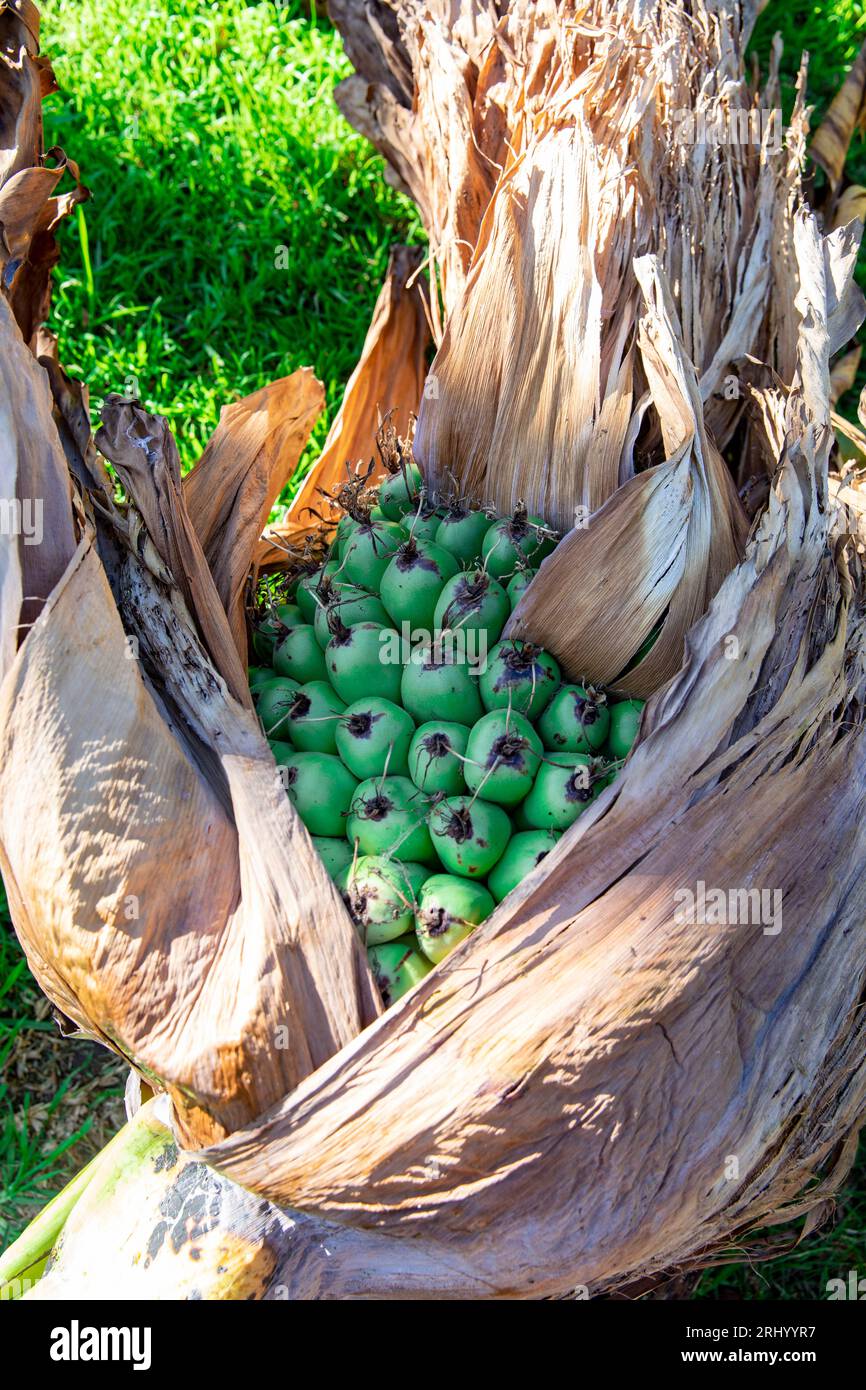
{"x":558,"y":1103}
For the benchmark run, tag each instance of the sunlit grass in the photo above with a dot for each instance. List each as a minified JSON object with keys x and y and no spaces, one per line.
{"x":210,"y":140}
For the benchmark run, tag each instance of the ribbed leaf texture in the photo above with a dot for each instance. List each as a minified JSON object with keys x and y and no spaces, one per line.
{"x":594,"y":1087}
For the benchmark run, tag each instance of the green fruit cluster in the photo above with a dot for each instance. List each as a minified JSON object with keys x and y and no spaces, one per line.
{"x":435,"y":774}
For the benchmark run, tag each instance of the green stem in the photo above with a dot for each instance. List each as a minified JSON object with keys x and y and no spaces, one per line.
{"x":24,"y":1261}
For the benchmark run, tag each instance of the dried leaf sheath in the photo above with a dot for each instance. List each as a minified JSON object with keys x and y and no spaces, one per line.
{"x":389,"y":375}
{"x":600,"y":1051}
{"x":594,"y":119}
{"x":669,"y":535}
{"x":556,"y":1104}
{"x":256,"y":448}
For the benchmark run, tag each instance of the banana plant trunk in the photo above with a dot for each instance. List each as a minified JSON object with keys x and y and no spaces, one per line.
{"x":657,"y":1043}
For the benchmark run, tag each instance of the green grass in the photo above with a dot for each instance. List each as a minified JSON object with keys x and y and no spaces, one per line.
{"x":53,"y":1100}
{"x":804,"y":1272}
{"x":216,"y":155}
{"x":832,"y":34}
{"x":210,"y":139}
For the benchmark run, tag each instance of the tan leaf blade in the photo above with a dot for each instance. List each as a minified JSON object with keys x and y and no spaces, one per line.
{"x":389,"y":374}
{"x":829,"y":146}
{"x":230,"y":492}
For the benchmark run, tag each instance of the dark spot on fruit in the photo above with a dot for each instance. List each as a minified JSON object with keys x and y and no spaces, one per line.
{"x":360,"y":725}
{"x":509,"y":749}
{"x":459,"y":826}
{"x":575,"y":790}
{"x":409,"y":557}
{"x":300,"y":706}
{"x":436,"y":921}
{"x":376,"y":807}
{"x":382,"y":984}
{"x":436,"y":745}
{"x":585,"y":711}
{"x":357,"y":902}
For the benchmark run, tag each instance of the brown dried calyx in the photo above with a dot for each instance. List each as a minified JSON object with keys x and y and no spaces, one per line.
{"x":354,"y":497}
{"x":395,"y":451}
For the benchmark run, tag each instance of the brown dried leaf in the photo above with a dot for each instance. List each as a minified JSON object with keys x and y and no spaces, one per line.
{"x":29,"y":211}
{"x":230,"y":492}
{"x":168,"y":898}
{"x":829,"y":146}
{"x":851,"y":207}
{"x":144,"y":453}
{"x":389,"y":374}
{"x":844,"y":373}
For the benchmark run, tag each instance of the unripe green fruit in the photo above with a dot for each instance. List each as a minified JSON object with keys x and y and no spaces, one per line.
{"x":396,"y":969}
{"x":305,"y":594}
{"x":518,"y":584}
{"x":462,"y":532}
{"x":361,"y":661}
{"x":473,"y":602}
{"x":270,"y":629}
{"x":313,"y":718}
{"x":563,"y":788}
{"x":433,"y":765}
{"x":525,"y":850}
{"x":369,"y":550}
{"x":413,"y":581}
{"x":381,"y":894}
{"x":515,"y":540}
{"x":321,"y":790}
{"x":387,"y":817}
{"x":434,"y":687}
{"x":299,"y":655}
{"x":449,"y":908}
{"x":257,"y":676}
{"x":281,"y":750}
{"x":624,"y":723}
{"x":400,"y":492}
{"x":469,"y":835}
{"x":344,"y":526}
{"x":353,"y":526}
{"x":272,"y":681}
{"x":519,"y":676}
{"x":424,"y":524}
{"x":352,"y":606}
{"x":373,"y":735}
{"x":577,"y":720}
{"x":273,"y":703}
{"x":335,"y":853}
{"x":502,"y":757}
{"x":290,"y":614}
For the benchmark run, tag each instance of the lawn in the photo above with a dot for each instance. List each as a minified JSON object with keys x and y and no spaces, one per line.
{"x":238,"y":228}
{"x":211,"y":142}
